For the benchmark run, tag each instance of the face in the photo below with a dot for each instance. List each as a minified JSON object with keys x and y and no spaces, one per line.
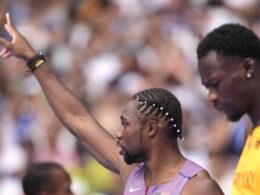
{"x":130,"y":138}
{"x":225,"y":79}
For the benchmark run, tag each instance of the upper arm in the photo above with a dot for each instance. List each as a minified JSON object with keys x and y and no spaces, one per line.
{"x":202,"y":184}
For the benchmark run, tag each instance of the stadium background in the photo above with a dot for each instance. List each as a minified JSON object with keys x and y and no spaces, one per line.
{"x":105,"y":51}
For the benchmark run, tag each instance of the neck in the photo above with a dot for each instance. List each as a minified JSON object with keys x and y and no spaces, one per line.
{"x":165,"y":162}
{"x":254,"y":114}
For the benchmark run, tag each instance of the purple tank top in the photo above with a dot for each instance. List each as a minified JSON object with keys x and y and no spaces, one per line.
{"x":136,"y":185}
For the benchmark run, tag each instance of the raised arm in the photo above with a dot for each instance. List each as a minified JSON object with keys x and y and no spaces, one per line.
{"x":67,"y":106}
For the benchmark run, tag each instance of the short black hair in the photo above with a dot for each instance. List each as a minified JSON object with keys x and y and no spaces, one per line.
{"x":39,"y":177}
{"x":230,"y":40}
{"x":161,"y":103}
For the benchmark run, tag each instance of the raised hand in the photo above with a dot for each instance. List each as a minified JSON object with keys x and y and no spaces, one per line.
{"x":19,"y":46}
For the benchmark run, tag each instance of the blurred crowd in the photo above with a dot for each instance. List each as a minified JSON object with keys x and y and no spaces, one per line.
{"x":105,"y":51}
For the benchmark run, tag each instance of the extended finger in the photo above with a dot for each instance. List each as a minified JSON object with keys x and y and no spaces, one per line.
{"x":7,"y":28}
{"x":7,"y":55}
{"x":9,"y":25}
{"x":4,"y":42}
{"x":3,"y":51}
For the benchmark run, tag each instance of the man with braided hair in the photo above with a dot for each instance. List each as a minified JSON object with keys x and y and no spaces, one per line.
{"x":151,"y":122}
{"x":229,"y":66}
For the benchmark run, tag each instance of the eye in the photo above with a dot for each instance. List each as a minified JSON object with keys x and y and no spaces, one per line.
{"x":124,"y":123}
{"x":214,"y":83}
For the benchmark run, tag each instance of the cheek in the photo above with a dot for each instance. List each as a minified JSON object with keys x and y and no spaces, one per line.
{"x":233,"y":93}
{"x":131,"y":138}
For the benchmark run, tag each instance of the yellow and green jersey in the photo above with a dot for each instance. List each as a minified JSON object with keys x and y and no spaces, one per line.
{"x":247,"y":175}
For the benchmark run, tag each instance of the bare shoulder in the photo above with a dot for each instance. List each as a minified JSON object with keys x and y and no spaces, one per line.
{"x":202,"y":183}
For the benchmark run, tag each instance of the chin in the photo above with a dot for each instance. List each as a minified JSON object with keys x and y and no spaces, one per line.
{"x":134,"y":158}
{"x":234,"y":117}
{"x":130,"y":159}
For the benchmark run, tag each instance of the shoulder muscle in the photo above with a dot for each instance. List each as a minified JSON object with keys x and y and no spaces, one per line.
{"x":202,"y":184}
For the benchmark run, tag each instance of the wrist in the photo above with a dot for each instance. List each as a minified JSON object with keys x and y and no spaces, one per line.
{"x":29,"y":55}
{"x":36,"y":61}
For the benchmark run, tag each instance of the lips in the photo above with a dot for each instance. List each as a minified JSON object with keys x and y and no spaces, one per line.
{"x":224,"y":109}
{"x":120,"y":148}
{"x":220,"y":107}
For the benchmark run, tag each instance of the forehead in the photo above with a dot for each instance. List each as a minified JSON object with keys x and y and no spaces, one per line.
{"x":130,"y":110}
{"x":211,"y":61}
{"x":213,"y":65}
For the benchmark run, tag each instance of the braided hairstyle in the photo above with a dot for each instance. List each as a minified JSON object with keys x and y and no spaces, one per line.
{"x":163,"y":104}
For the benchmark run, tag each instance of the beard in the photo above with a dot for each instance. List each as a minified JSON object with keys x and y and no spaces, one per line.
{"x":137,"y":157}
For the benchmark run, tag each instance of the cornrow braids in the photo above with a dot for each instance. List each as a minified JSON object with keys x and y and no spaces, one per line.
{"x":161,"y":103}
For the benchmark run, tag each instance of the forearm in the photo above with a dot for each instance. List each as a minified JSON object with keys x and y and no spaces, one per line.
{"x":64,"y":103}
{"x":74,"y":115}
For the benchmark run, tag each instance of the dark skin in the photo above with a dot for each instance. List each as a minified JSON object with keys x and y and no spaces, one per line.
{"x":233,"y":85}
{"x":99,"y":142}
{"x":47,"y":179}
{"x":62,"y":185}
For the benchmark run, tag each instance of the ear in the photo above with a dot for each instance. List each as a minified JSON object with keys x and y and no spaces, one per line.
{"x":249,"y":67}
{"x":154,"y":127}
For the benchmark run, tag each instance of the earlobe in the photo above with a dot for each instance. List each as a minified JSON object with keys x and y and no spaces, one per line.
{"x":249,"y":67}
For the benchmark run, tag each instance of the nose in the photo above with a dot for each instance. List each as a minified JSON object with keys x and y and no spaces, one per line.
{"x":212,"y":95}
{"x":119,"y":135}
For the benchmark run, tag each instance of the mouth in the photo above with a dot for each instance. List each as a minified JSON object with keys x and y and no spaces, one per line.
{"x":224,"y":109}
{"x":120,"y":148}
{"x":220,"y":107}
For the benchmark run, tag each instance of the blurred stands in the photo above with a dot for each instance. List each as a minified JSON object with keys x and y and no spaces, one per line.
{"x":105,"y":51}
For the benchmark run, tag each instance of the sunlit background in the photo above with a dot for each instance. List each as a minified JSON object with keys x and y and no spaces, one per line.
{"x":105,"y":51}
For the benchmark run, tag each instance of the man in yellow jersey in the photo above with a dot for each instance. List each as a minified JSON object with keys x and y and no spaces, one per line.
{"x":229,"y":66}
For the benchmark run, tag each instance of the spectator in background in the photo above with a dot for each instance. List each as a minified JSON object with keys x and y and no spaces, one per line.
{"x":46,"y":178}
{"x":229,"y":66}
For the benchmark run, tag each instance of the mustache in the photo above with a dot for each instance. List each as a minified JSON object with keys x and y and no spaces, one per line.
{"x":120,"y":145}
{"x":218,"y":105}
{"x":118,"y":142}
